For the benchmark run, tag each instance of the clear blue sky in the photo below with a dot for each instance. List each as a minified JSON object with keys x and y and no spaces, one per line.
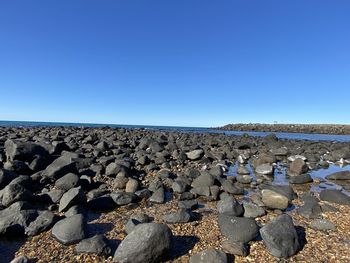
{"x":175,"y":62}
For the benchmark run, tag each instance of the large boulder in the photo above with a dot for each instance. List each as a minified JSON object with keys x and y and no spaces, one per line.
{"x":60,"y":167}
{"x":238,"y":228}
{"x":70,"y":230}
{"x":15,"y":218}
{"x":24,"y":151}
{"x":149,"y":242}
{"x":280,"y":237}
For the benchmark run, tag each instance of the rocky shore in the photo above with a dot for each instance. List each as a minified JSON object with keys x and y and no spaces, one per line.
{"x":71,"y":194}
{"x":291,"y":128}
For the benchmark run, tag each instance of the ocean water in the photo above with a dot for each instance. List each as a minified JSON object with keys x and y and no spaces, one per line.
{"x":281,"y":135}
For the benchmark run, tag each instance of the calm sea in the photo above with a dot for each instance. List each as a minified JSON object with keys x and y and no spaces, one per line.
{"x":281,"y":135}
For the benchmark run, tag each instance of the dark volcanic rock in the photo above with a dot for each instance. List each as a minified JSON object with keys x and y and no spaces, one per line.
{"x":235,"y":248}
{"x":335,"y":196}
{"x":152,"y":241}
{"x":182,"y":216}
{"x":122,"y":198}
{"x":67,"y":181}
{"x":14,"y":192}
{"x":24,"y":151}
{"x":44,"y":221}
{"x":15,"y":218}
{"x":343,"y":175}
{"x":238,"y":228}
{"x":74,"y":196}
{"x":136,"y":220}
{"x":230,"y":206}
{"x":97,"y":244}
{"x":280,"y":237}
{"x":70,"y":230}
{"x":60,"y":167}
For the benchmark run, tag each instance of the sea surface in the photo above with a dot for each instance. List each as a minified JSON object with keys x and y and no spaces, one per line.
{"x":281,"y":135}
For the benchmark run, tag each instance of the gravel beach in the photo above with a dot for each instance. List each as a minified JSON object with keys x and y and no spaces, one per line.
{"x":79,"y":194}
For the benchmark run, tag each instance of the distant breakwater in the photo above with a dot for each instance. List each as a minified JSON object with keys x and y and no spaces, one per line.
{"x":337,"y":129}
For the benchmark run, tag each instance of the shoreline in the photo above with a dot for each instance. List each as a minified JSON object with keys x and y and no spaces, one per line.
{"x":109,"y":176}
{"x":334,"y":129}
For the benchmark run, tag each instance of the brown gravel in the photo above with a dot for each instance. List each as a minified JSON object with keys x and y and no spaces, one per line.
{"x":193,"y":237}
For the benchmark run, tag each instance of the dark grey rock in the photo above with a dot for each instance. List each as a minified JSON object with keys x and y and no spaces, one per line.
{"x":152,"y":241}
{"x":229,"y":187}
{"x":60,"y":167}
{"x":235,"y":248}
{"x":342,"y":175}
{"x":102,"y":203}
{"x":74,"y":196}
{"x":136,"y":220}
{"x":238,"y":228}
{"x":24,"y":151}
{"x":188,"y":204}
{"x":122,"y":198}
{"x":67,"y":181}
{"x":15,"y":218}
{"x":335,"y":196}
{"x":253,"y":210}
{"x":14,"y":192}
{"x":230,"y":206}
{"x":280,"y":237}
{"x":44,"y":221}
{"x":97,"y":244}
{"x":158,"y":196}
{"x":300,"y":179}
{"x":182,"y":216}
{"x":74,"y":210}
{"x":70,"y":230}
{"x":322,"y":224}
{"x":209,"y":255}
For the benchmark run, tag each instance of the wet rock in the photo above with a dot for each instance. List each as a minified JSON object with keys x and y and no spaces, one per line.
{"x":182,"y":216}
{"x":242,"y":170}
{"x":335,"y":196}
{"x":67,"y":181}
{"x":97,"y":244}
{"x":152,"y":241}
{"x":274,"y":200}
{"x":298,"y":166}
{"x":280,"y":237}
{"x":238,"y":228}
{"x":322,"y":224}
{"x":265,"y":169}
{"x":235,"y":248}
{"x":195,"y":154}
{"x":300,"y":179}
{"x":70,"y":230}
{"x":252,"y":210}
{"x":209,"y":255}
{"x":43,"y":222}
{"x":343,"y":175}
{"x":72,"y":197}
